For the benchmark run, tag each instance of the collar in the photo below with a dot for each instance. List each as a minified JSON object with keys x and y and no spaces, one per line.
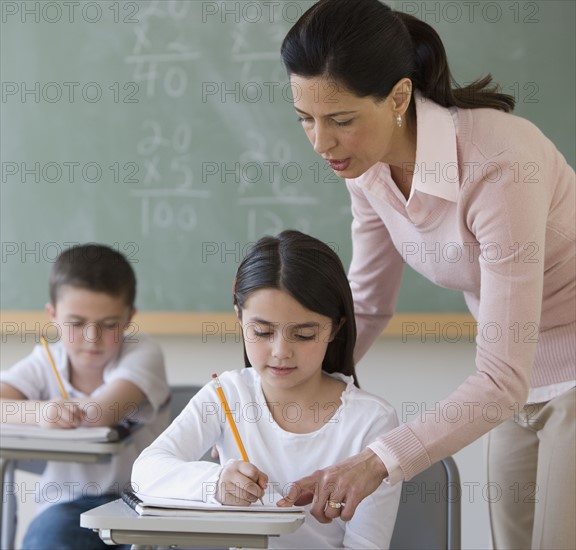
{"x":436,"y":172}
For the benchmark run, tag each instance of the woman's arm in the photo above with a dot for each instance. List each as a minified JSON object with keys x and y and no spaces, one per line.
{"x":510,"y":216}
{"x":375,"y":272}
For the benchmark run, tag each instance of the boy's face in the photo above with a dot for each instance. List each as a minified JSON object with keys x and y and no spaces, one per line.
{"x":91,"y":324}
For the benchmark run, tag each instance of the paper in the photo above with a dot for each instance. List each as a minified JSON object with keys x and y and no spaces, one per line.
{"x":149,"y":505}
{"x":30,"y":431}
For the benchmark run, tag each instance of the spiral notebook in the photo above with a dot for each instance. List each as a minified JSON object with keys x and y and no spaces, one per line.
{"x":158,"y":506}
{"x":96,"y":434}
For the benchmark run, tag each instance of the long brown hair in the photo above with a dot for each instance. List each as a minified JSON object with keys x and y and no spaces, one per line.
{"x":312,"y":273}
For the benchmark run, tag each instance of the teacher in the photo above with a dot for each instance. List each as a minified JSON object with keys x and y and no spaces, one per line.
{"x":429,"y":166}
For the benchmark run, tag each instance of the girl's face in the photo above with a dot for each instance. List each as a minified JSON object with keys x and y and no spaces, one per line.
{"x":285,"y":342}
{"x":351,"y":133}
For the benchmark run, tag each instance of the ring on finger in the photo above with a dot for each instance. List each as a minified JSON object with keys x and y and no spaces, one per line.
{"x":335,"y":504}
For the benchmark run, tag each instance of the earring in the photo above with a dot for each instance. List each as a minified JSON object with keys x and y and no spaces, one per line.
{"x":399,"y":120}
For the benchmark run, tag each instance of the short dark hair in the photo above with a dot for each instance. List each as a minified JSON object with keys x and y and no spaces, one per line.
{"x":312,"y":273}
{"x":367,"y":47}
{"x":94,"y":267}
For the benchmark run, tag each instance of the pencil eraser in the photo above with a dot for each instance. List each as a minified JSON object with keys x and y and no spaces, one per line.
{"x":214,"y":376}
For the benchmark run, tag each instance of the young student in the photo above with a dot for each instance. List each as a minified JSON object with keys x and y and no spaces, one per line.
{"x":297,"y":405}
{"x":108,"y":377}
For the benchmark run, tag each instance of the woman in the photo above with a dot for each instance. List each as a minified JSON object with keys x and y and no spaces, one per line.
{"x":431,"y":168}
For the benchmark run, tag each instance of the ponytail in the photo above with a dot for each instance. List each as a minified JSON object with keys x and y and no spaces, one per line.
{"x":368,"y":48}
{"x":433,"y":78}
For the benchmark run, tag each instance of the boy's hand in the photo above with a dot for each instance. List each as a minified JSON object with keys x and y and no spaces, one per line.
{"x":60,"y":414}
{"x":240,"y":484}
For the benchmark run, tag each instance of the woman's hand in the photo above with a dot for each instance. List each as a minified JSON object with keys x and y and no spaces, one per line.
{"x":240,"y":484}
{"x":336,"y":491}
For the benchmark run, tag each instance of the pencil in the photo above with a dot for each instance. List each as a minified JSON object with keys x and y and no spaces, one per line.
{"x":230,"y":419}
{"x":58,"y":379}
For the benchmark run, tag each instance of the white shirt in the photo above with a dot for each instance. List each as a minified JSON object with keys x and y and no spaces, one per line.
{"x":171,"y":466}
{"x":141,"y":362}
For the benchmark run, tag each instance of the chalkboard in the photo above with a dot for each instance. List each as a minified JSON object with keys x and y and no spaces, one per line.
{"x":165,"y":129}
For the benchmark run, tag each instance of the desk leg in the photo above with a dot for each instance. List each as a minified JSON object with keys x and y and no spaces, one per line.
{"x":7,"y":505}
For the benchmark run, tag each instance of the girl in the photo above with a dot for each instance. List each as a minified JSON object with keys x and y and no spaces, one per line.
{"x":296,"y":404}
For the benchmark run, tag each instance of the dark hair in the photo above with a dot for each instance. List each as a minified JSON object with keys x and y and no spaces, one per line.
{"x":368,"y":47}
{"x":312,"y":273}
{"x":94,"y":267}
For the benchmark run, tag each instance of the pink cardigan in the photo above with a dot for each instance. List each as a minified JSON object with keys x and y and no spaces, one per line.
{"x":491,"y":213}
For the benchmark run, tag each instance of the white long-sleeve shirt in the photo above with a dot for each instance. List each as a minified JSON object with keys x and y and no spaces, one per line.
{"x":171,"y":466}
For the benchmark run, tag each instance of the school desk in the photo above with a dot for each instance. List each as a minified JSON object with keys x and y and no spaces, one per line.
{"x":117,"y":523}
{"x":18,"y":448}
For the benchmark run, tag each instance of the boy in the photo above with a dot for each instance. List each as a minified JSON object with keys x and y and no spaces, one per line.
{"x":109,"y":376}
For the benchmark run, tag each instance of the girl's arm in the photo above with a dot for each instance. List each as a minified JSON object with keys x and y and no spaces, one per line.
{"x":171,"y":466}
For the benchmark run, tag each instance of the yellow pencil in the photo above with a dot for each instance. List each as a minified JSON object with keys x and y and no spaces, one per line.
{"x":58,"y":379}
{"x":230,"y":419}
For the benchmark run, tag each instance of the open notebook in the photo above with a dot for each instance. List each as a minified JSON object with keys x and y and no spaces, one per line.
{"x":96,"y":434}
{"x":158,"y":506}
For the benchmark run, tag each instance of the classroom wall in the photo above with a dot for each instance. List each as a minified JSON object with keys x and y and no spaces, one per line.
{"x":528,"y":46}
{"x":412,"y":375}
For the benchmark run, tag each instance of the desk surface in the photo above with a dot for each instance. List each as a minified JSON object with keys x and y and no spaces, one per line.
{"x":15,"y":444}
{"x":118,"y":515}
{"x":117,"y":523}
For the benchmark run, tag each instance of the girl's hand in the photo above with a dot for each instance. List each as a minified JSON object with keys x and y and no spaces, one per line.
{"x":60,"y":414}
{"x":240,"y":484}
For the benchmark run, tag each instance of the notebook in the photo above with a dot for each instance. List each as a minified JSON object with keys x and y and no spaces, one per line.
{"x":146,"y":505}
{"x":95,"y":434}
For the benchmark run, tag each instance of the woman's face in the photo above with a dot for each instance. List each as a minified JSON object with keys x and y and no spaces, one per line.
{"x":351,"y":133}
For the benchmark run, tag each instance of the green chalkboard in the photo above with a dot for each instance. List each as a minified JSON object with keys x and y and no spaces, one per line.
{"x":165,"y":129}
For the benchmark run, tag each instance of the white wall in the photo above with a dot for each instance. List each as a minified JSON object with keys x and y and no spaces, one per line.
{"x":408,"y":374}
